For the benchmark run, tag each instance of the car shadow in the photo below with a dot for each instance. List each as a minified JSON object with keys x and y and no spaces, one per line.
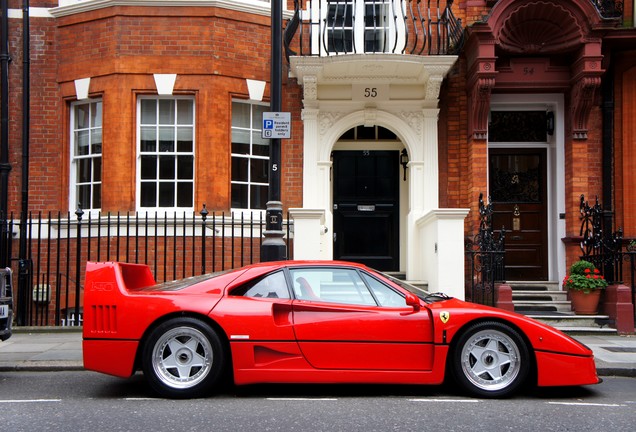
{"x":338,"y":390}
{"x":137,"y":387}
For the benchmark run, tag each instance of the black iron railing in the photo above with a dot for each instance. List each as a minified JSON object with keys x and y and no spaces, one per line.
{"x":175,"y":246}
{"x":609,"y":8}
{"x":606,"y":248}
{"x":336,"y":27}
{"x":485,"y":256}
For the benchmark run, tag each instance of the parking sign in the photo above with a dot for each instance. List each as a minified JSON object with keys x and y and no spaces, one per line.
{"x":276,"y":125}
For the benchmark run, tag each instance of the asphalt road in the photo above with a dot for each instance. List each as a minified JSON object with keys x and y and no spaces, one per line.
{"x":86,"y":401}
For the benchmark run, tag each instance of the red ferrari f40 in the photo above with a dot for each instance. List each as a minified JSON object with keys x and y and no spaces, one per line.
{"x":312,"y":322}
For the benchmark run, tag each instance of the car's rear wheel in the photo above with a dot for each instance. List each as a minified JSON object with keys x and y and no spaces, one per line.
{"x":490,"y":359}
{"x":183,"y":358}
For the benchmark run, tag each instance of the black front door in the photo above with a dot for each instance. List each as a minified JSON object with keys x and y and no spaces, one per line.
{"x":366,"y":208}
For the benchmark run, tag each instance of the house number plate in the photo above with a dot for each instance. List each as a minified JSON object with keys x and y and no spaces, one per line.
{"x":375,"y":92}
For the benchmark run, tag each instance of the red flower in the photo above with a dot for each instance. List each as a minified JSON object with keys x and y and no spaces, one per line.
{"x":596,"y":271}
{"x":587,"y":270}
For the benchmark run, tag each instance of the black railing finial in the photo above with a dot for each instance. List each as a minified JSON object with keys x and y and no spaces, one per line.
{"x":79,"y":212}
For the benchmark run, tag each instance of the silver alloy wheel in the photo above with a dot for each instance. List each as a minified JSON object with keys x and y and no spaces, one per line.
{"x":182,"y":357}
{"x":491,"y":360}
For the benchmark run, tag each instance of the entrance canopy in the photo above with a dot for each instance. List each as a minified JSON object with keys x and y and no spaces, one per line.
{"x":400,"y":93}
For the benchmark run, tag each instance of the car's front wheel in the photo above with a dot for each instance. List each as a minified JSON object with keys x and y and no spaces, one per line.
{"x":183,"y":358}
{"x":490,"y":359}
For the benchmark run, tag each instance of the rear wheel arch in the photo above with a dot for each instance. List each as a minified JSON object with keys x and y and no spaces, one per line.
{"x":204,"y":318}
{"x":184,"y":356}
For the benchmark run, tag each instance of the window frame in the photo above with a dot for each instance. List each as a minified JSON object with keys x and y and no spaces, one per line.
{"x":393,"y":31}
{"x":251,"y":130}
{"x":317,"y":283}
{"x":73,"y":178}
{"x":174,"y":153}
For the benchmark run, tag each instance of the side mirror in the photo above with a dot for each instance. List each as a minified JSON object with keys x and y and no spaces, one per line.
{"x":414,"y":301}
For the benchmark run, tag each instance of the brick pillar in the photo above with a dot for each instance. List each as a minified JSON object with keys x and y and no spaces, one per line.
{"x":617,"y":304}
{"x":504,"y":297}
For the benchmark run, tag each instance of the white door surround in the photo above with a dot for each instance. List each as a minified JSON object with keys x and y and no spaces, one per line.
{"x":400,"y":93}
{"x":555,"y":148}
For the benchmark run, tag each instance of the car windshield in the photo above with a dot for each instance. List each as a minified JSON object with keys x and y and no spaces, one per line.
{"x":420,"y":292}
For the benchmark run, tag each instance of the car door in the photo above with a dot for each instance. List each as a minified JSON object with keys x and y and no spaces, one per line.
{"x":259,"y":310}
{"x":346,"y":319}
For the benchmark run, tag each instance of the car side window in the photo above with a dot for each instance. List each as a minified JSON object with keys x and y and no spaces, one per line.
{"x":385,"y":295}
{"x":271,"y":286}
{"x":331,"y":285}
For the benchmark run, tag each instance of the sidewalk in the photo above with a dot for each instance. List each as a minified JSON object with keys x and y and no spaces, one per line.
{"x":59,"y":348}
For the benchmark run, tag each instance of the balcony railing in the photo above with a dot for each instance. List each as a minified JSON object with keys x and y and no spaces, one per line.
{"x":337,"y":27}
{"x":609,"y":8}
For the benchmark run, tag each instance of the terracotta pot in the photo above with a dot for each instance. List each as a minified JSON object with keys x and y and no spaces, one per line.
{"x":585,"y":304}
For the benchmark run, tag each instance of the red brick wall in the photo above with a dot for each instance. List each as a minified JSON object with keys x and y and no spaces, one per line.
{"x":44,"y":139}
{"x":625,"y":143}
{"x":212,"y":50}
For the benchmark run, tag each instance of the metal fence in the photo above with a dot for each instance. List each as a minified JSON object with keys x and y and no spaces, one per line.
{"x":50,"y":278}
{"x":606,"y":248}
{"x":485,"y":259}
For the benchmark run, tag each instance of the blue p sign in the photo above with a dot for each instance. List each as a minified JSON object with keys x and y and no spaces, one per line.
{"x":268,"y":124}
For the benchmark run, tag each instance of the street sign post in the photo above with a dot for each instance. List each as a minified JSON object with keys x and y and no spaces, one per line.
{"x":274,"y":247}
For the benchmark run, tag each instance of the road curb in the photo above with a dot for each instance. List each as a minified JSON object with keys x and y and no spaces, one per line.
{"x":49,"y":366}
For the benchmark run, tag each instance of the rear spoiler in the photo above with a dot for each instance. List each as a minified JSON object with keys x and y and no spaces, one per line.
{"x":106,"y":276}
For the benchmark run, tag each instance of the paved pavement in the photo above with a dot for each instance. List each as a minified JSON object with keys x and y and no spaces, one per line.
{"x":60,"y":348}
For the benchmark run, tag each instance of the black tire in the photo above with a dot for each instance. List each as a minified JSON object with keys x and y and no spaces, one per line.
{"x":183,"y":358}
{"x":490,"y":360}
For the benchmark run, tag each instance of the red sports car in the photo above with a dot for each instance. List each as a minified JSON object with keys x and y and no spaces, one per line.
{"x":312,"y":322}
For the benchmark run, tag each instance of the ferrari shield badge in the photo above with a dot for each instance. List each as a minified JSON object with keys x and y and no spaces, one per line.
{"x":444,"y":316}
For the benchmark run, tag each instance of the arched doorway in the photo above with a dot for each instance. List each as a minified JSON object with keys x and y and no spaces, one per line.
{"x":366,"y":198}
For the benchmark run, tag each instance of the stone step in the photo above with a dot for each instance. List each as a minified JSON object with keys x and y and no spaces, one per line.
{"x":534,"y":286}
{"x":545,"y":301}
{"x":544,"y":306}
{"x":576,"y":324}
{"x":539,"y":296}
{"x":571,"y":320}
{"x":549,"y":295}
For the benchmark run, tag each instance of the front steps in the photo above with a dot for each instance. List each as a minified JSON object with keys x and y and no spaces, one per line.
{"x":546,"y":302}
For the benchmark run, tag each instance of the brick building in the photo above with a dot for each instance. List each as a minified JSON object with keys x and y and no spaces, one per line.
{"x":398,"y":123}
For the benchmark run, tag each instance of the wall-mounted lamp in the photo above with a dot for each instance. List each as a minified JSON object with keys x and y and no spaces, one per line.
{"x":549,"y":122}
{"x":404,"y":161}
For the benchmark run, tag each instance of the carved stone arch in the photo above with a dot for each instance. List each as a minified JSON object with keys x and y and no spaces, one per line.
{"x":536,"y":28}
{"x":342,"y":123}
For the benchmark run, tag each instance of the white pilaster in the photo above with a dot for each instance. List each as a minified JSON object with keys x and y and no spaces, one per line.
{"x":310,"y":159}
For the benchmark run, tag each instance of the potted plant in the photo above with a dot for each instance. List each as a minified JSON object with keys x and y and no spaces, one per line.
{"x":585,"y":284}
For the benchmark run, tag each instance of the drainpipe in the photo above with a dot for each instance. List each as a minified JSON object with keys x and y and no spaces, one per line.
{"x":24,"y":266}
{"x":608,"y":162}
{"x":5,"y":166}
